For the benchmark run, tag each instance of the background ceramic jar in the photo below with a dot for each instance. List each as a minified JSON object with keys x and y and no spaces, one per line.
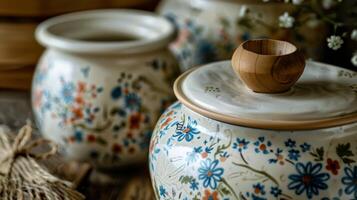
{"x":102,"y":83}
{"x":223,"y":141}
{"x":211,"y":30}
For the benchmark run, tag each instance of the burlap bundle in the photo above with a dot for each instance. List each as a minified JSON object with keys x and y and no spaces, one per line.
{"x":21,"y":177}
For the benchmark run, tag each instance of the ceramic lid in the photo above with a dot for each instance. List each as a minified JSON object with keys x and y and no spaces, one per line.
{"x":324,"y":96}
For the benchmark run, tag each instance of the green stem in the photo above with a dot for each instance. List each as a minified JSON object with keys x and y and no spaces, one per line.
{"x":287,"y":196}
{"x":230,"y":188}
{"x":258,"y":172}
{"x":289,"y":161}
{"x":241,"y":155}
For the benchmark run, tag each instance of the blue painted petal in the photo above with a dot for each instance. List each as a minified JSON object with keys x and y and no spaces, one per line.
{"x":316,"y":169}
{"x":206,"y":182}
{"x":349,"y":189}
{"x":218,"y":171}
{"x":213,"y":184}
{"x":300,"y":168}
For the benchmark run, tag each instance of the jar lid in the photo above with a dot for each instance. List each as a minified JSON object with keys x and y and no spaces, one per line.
{"x":324,"y":96}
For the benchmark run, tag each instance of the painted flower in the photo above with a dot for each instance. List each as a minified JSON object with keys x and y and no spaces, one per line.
{"x":78,"y":136}
{"x":116,"y":93}
{"x":279,"y":158}
{"x":305,"y":147}
{"x":259,"y":188}
{"x":205,"y":52}
{"x":67,"y":92}
{"x":240,"y":144}
{"x":294,"y":154}
{"x":333,"y":166}
{"x":350,"y":180}
{"x":186,"y":132}
{"x":275,"y":191}
{"x":210,"y":195}
{"x":134,"y":121}
{"x":194,"y":184}
{"x":334,"y":42}
{"x":290,"y":143}
{"x":309,"y":179}
{"x":262,"y":146}
{"x":194,"y":155}
{"x":210,"y":173}
{"x":286,"y":21}
{"x":132,"y":101}
{"x":162,"y":191}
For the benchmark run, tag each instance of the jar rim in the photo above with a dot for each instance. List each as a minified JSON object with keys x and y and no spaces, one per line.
{"x":67,"y":32}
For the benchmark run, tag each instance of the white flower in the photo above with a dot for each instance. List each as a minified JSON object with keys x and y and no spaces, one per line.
{"x":286,"y":21}
{"x":334,"y":42}
{"x":327,"y":4}
{"x":297,"y":2}
{"x":354,"y":59}
{"x":354,"y":34}
{"x":243,"y":11}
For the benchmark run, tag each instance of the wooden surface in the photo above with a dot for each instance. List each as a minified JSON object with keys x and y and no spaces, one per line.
{"x":127,"y":184}
{"x":131,"y":183}
{"x":46,"y":8}
{"x":268,"y":66}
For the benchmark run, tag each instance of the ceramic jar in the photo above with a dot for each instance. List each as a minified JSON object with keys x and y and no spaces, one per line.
{"x":210,"y":30}
{"x":102,"y":83}
{"x":223,"y":141}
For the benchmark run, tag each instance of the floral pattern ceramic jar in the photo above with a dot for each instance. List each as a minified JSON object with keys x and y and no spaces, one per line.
{"x":210,"y":30}
{"x":222,"y":141}
{"x":103,"y":82}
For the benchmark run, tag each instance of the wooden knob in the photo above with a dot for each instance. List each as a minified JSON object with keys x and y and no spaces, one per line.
{"x":268,"y":66}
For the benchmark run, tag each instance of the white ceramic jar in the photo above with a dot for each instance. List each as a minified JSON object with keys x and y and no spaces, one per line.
{"x":223,"y":141}
{"x":210,"y":30}
{"x":102,"y":83}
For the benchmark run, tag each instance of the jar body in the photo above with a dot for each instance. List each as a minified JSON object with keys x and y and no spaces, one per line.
{"x":102,"y":108}
{"x":195,"y":157}
{"x":211,"y":30}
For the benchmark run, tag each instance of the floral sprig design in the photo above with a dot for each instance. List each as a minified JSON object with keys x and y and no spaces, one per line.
{"x":308,"y":13}
{"x":309,"y":179}
{"x":186,"y":131}
{"x":210,"y":173}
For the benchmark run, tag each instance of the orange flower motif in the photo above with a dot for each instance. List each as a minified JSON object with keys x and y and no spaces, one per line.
{"x":81,"y":86}
{"x":78,"y":114}
{"x":210,"y":196}
{"x":204,"y":154}
{"x":79,"y":100}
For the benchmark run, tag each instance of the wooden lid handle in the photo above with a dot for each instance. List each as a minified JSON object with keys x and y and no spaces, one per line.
{"x":268,"y":66}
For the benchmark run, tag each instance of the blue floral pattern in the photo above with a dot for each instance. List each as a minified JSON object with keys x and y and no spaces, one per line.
{"x":210,"y":173}
{"x":309,"y":179}
{"x":350,"y":180}
{"x":186,"y":132}
{"x":212,"y":162}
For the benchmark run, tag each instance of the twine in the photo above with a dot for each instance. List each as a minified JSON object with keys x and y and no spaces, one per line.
{"x":21,"y":177}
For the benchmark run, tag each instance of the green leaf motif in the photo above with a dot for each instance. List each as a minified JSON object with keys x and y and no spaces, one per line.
{"x":344,"y":152}
{"x":101,"y":141}
{"x":186,"y":179}
{"x":318,"y":154}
